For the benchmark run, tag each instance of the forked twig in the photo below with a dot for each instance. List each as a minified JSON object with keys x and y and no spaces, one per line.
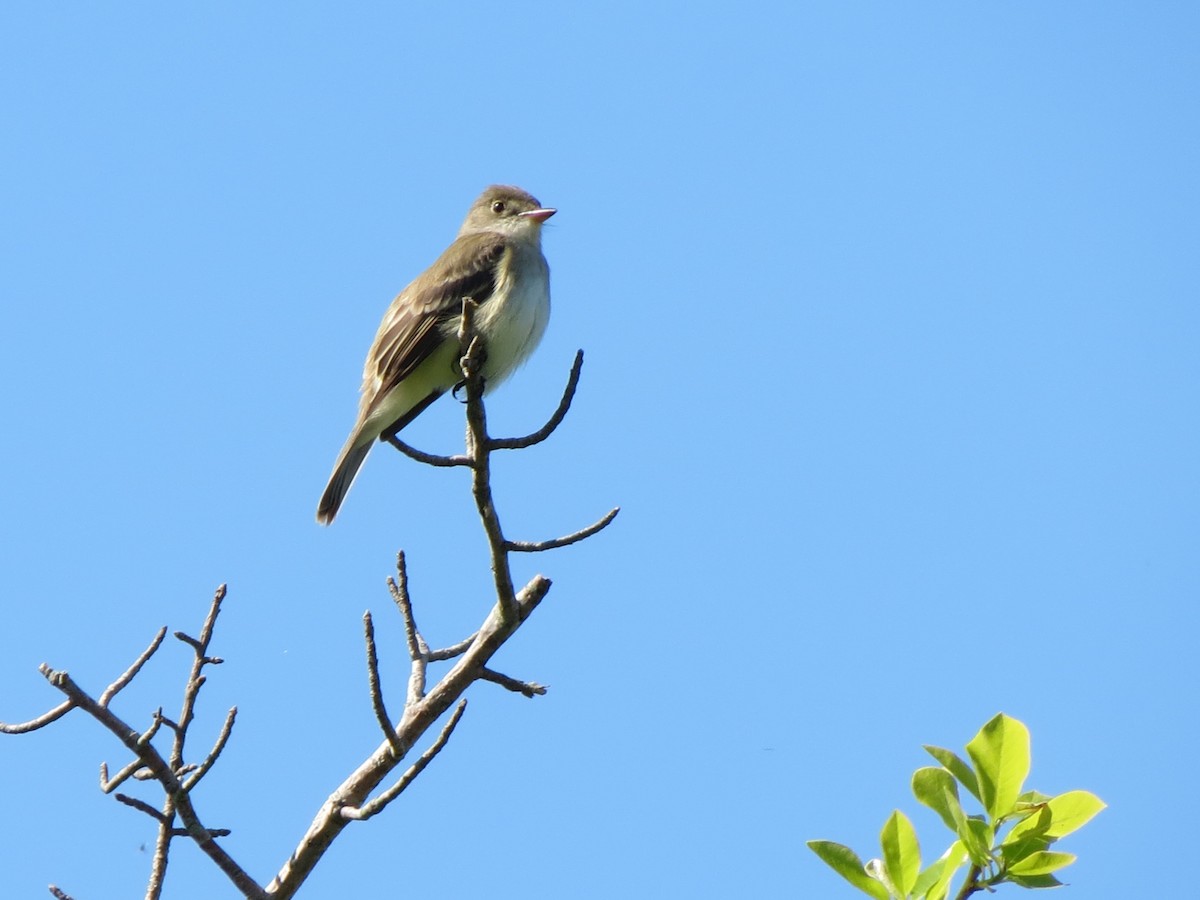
{"x":380,"y":803}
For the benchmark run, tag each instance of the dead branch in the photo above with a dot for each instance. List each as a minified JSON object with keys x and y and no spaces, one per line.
{"x":352,"y":800}
{"x":555,"y":543}
{"x":376,"y":806}
{"x":555,"y":420}
{"x":530,"y":689}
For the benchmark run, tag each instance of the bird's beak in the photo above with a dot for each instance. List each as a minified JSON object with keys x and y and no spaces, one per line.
{"x":538,"y":215}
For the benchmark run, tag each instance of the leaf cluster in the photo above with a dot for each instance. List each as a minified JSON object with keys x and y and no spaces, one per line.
{"x":1009,"y":841}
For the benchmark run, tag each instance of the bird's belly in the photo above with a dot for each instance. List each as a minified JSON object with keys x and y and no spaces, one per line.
{"x":512,"y":323}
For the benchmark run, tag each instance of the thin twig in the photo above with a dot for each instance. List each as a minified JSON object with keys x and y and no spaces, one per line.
{"x":418,"y":650}
{"x":113,"y":689}
{"x":141,"y":806}
{"x":376,"y":806}
{"x":107,"y":787}
{"x":430,"y":459}
{"x":328,"y":822}
{"x":178,"y":801}
{"x":222,"y":739}
{"x":528,"y":688}
{"x":453,"y":650}
{"x":215,"y":832}
{"x":155,"y":723}
{"x":555,"y":420}
{"x":381,"y":713}
{"x":398,"y":588}
{"x":554,"y":543}
{"x":195,"y":680}
{"x":41,"y":721}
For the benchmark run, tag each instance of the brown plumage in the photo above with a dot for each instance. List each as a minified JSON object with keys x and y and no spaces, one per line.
{"x":497,"y":261}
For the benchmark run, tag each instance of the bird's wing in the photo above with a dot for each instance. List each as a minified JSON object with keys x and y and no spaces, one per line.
{"x":411,"y":328}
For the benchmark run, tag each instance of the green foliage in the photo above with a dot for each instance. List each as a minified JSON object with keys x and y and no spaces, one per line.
{"x":1008,"y":842}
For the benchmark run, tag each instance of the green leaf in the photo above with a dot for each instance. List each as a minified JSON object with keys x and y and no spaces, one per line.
{"x":846,"y":863}
{"x":934,"y":882}
{"x":1032,"y":798}
{"x":1034,"y":881}
{"x":1001,"y":755}
{"x":1042,"y":863}
{"x":937,"y":789}
{"x":974,"y":833}
{"x":957,"y":767}
{"x":1060,"y":816}
{"x":978,"y":840}
{"x":901,"y":853}
{"x":1015,"y":849}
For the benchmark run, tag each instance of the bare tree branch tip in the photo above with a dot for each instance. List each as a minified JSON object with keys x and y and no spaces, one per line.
{"x":555,"y":543}
{"x":528,"y":689}
{"x":46,"y":718}
{"x":376,"y":690}
{"x":142,"y":806}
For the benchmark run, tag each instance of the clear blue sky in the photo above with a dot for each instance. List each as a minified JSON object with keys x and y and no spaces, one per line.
{"x":891,"y":321}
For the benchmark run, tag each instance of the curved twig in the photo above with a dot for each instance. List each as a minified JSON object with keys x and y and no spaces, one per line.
{"x":41,"y":721}
{"x":430,"y":459}
{"x":555,"y":420}
{"x":127,"y":676}
{"x":554,"y":543}
{"x":381,"y":713}
{"x":222,"y":739}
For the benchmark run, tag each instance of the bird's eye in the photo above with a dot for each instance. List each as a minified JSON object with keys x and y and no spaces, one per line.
{"x":498,"y":207}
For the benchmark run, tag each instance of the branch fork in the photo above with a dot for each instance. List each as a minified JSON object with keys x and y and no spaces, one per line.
{"x":423,"y":705}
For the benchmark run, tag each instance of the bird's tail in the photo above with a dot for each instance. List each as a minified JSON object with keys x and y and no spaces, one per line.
{"x":344,"y":471}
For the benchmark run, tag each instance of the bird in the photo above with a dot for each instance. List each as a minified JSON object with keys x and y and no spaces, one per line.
{"x":497,"y":261}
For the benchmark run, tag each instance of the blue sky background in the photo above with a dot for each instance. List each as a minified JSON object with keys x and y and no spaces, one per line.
{"x":890,"y":313}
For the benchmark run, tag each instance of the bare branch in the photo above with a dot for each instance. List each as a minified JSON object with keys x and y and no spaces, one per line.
{"x":113,"y":689}
{"x":554,"y":543}
{"x":453,"y":650}
{"x":528,"y":688}
{"x":478,"y":448}
{"x":178,"y":799}
{"x":430,"y":459}
{"x":195,"y":679}
{"x":555,"y":420}
{"x":41,"y":721}
{"x":188,"y":639}
{"x":381,"y":713}
{"x":215,"y":832}
{"x":124,"y":775}
{"x":155,"y":724}
{"x":376,"y":806}
{"x":142,"y":806}
{"x":418,"y":650}
{"x":329,"y":821}
{"x":398,"y":588}
{"x":222,"y":739}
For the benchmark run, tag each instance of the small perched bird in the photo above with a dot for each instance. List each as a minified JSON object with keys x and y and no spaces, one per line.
{"x":497,"y":261}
